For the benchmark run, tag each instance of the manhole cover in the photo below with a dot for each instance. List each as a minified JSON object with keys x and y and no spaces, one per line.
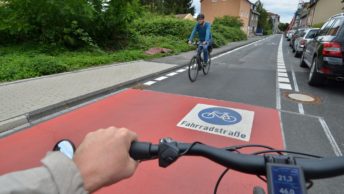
{"x":302,"y":98}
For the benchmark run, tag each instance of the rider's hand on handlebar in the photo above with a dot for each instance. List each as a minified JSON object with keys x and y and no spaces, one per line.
{"x":189,"y":42}
{"x":205,"y":42}
{"x":103,"y":157}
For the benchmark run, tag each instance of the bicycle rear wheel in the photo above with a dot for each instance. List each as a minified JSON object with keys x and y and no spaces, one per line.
{"x":206,"y":66}
{"x":193,"y":69}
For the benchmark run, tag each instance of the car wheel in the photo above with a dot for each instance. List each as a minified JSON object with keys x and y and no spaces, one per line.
{"x":302,"y":61}
{"x":297,"y":54}
{"x":315,"y":78}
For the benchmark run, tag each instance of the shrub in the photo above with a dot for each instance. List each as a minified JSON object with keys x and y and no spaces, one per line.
{"x":14,"y":68}
{"x":164,"y":26}
{"x":228,"y":21}
{"x":148,"y":41}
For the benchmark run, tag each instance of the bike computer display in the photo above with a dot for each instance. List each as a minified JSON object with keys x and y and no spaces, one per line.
{"x":285,"y":179}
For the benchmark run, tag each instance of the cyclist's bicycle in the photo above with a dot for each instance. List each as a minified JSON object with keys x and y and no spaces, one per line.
{"x":285,"y":173}
{"x":197,"y":62}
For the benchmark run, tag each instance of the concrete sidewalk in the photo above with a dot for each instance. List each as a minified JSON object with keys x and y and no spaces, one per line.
{"x":22,"y":102}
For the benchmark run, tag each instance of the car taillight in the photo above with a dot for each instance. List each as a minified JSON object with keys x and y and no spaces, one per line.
{"x":303,"y":42}
{"x":332,"y":49}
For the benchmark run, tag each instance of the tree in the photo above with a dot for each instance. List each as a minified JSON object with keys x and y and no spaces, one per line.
{"x":70,"y":22}
{"x":283,"y":26}
{"x":263,"y":20}
{"x":169,"y":6}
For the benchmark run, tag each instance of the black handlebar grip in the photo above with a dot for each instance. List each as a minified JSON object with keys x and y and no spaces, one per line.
{"x":140,"y":151}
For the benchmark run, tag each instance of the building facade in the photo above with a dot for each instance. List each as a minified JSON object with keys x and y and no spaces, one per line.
{"x":219,"y":8}
{"x":275,"y":18}
{"x":321,"y":10}
{"x":253,"y":23}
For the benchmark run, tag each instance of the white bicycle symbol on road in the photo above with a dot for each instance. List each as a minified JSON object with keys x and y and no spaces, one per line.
{"x":221,"y":115}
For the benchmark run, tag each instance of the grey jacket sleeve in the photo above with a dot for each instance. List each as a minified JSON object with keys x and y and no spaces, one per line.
{"x":58,"y":175}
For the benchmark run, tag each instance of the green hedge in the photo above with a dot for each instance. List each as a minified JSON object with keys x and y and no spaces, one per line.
{"x":170,"y":32}
{"x":229,"y":21}
{"x":14,"y":68}
{"x":163,"y":26}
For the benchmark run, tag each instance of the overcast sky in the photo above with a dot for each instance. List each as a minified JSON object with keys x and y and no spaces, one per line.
{"x":284,"y":8}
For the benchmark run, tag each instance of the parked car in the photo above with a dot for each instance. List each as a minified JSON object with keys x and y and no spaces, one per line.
{"x":324,"y":53}
{"x":300,"y":42}
{"x":298,"y":33}
{"x":290,"y":33}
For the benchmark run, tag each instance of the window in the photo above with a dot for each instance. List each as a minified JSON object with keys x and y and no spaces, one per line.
{"x":325,"y":28}
{"x":302,"y":33}
{"x":335,"y":27}
{"x":311,"y":33}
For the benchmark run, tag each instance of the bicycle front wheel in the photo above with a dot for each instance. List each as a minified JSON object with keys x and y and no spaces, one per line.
{"x":193,"y":69}
{"x":206,"y":66}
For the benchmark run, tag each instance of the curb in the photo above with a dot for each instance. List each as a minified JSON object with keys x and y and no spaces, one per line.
{"x":28,"y":119}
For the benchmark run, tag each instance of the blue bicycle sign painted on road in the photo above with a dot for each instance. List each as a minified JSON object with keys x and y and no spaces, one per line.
{"x":220,"y":116}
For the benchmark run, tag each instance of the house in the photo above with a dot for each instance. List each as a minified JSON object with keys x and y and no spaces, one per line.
{"x":304,"y":15}
{"x":253,"y":23}
{"x":275,"y":18}
{"x":219,"y":8}
{"x":185,"y":17}
{"x":321,"y":10}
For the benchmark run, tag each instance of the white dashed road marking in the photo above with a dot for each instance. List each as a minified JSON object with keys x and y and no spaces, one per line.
{"x":282,"y":74}
{"x":149,"y":83}
{"x":282,"y":80}
{"x":172,"y":74}
{"x":181,"y":70}
{"x":161,"y":78}
{"x":284,"y":86}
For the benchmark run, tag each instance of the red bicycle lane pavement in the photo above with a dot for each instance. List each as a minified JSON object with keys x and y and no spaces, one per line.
{"x":152,"y":115}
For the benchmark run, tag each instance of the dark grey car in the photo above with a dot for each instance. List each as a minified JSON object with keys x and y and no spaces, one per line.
{"x":324,"y":53}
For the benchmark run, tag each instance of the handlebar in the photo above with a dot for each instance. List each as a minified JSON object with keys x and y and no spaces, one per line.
{"x":168,"y":152}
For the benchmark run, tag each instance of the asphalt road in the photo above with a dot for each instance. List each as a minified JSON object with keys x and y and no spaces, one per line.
{"x":249,"y":75}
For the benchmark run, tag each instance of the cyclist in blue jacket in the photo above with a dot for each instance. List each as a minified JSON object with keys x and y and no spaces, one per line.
{"x":204,"y":33}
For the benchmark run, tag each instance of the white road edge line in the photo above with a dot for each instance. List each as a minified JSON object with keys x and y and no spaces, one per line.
{"x":330,"y":137}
